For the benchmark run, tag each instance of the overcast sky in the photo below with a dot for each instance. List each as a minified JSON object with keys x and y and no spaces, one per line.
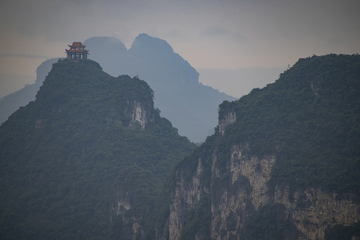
{"x":207,"y":33}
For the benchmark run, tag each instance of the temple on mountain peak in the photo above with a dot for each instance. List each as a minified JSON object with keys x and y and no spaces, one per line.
{"x":76,"y":52}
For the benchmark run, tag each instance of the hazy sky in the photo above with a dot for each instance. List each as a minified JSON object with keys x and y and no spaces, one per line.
{"x":206,"y":33}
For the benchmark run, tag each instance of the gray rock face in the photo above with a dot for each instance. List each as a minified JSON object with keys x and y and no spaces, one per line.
{"x":310,"y":214}
{"x":140,"y":114}
{"x":228,"y":119}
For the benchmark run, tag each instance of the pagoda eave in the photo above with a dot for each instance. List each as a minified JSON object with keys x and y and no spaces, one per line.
{"x":67,"y":50}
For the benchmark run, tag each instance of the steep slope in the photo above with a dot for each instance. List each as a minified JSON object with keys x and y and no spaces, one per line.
{"x":190,"y":106}
{"x":284,"y":162}
{"x":86,"y":159}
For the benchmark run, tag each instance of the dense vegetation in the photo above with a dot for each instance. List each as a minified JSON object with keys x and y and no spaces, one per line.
{"x":309,"y":119}
{"x":67,"y":158}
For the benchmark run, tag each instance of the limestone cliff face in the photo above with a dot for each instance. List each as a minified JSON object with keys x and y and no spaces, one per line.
{"x":186,"y":195}
{"x":314,"y":211}
{"x":228,"y":119}
{"x":244,"y":194}
{"x":247,"y":192}
{"x":139,"y":112}
{"x":311,"y":212}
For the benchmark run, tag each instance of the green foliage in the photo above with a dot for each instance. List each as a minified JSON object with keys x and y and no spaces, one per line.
{"x":67,"y":157}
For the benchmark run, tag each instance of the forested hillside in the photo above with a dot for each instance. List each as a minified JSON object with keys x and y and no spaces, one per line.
{"x":284,"y":162}
{"x":86,"y":159}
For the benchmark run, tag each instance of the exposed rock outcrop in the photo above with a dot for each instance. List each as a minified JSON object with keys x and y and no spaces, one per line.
{"x":228,"y":119}
{"x":314,"y":211}
{"x":139,"y":113}
{"x":186,"y":195}
{"x":311,"y":212}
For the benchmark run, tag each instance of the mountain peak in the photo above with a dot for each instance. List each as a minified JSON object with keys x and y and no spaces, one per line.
{"x":144,"y":42}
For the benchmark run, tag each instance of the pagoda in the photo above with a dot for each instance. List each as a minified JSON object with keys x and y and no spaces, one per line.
{"x":76,"y":52}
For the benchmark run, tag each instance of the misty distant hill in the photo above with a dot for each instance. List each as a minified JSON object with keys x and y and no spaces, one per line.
{"x":189,"y":105}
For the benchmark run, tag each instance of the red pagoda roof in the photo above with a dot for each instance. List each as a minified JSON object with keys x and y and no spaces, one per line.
{"x":76,"y":44}
{"x":76,"y":47}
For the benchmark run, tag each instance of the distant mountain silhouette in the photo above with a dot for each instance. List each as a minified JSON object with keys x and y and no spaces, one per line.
{"x":189,"y":105}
